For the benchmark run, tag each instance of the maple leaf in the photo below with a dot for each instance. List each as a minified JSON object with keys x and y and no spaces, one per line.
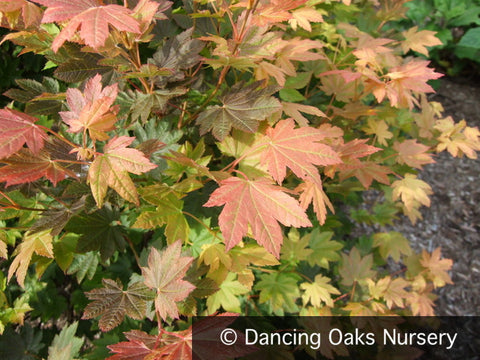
{"x":408,"y":78}
{"x":178,"y":53}
{"x":242,"y":108}
{"x":55,"y":219}
{"x":168,"y":211}
{"x":312,"y":193}
{"x":417,"y":40}
{"x":379,"y":129}
{"x":412,"y":153}
{"x":112,"y":303}
{"x":280,"y":290}
{"x":304,"y":16}
{"x":457,"y":138}
{"x":25,"y":166}
{"x":139,"y":345}
{"x":100,"y":231}
{"x":92,"y":110}
{"x":421,"y":303}
{"x":39,"y":243}
{"x":392,"y":244}
{"x":368,"y":50}
{"x":112,"y":167}
{"x":65,"y":345}
{"x":412,"y":191}
{"x":275,"y":11}
{"x":356,"y":268}
{"x":92,"y":17}
{"x":393,"y":291}
{"x":261,"y":205}
{"x":295,"y":249}
{"x":17,"y":129}
{"x":227,"y":295}
{"x":294,"y":110}
{"x":319,"y":291}
{"x":324,"y":248}
{"x":366,"y":172}
{"x":437,"y":268}
{"x":298,"y":149}
{"x":164,"y":273}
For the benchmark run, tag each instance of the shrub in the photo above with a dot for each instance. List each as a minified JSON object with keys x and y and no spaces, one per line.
{"x":189,"y":158}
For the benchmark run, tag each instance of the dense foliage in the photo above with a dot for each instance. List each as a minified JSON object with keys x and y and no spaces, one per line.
{"x":208,"y":156}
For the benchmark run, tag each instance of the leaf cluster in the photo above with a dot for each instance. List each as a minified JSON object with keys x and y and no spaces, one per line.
{"x":210,"y":159}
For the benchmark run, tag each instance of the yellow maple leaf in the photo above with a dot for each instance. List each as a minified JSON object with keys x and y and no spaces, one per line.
{"x":379,"y":129}
{"x":412,"y":192}
{"x":39,"y":243}
{"x":458,"y":138}
{"x":437,"y":268}
{"x":319,"y":291}
{"x":417,"y":40}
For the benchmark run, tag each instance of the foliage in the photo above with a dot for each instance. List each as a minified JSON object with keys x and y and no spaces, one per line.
{"x":457,"y":25}
{"x":207,"y":156}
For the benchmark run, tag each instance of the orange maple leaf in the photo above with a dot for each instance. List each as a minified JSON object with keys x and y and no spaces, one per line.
{"x":312,"y":193}
{"x":437,"y":268}
{"x":412,"y":153}
{"x":298,"y":149}
{"x":408,"y":79}
{"x":417,"y":40}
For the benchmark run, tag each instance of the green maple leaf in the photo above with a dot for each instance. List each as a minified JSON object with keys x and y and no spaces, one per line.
{"x":168,"y":211}
{"x":392,"y":244}
{"x":243,"y":107}
{"x":66,"y":345}
{"x":142,"y":105}
{"x":319,"y":291}
{"x":325,"y":249}
{"x":280,"y":290}
{"x":113,"y":303}
{"x":99,"y":231}
{"x":84,"y":265}
{"x":226,"y":296}
{"x":294,"y":248}
{"x":356,"y":268}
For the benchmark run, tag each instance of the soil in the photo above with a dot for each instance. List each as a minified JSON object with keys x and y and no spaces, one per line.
{"x":452,"y":222}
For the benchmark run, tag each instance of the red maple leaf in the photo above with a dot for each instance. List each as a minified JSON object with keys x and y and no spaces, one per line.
{"x":298,"y":149}
{"x":139,"y":345}
{"x":17,"y":129}
{"x":91,"y":16}
{"x":201,"y":339}
{"x":26,"y":166}
{"x":260,"y":205}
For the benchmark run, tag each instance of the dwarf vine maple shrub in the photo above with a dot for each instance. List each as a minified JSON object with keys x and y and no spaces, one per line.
{"x":195,"y":157}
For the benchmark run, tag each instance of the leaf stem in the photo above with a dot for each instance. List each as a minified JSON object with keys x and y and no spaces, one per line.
{"x":132,"y":247}
{"x":58,"y":136}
